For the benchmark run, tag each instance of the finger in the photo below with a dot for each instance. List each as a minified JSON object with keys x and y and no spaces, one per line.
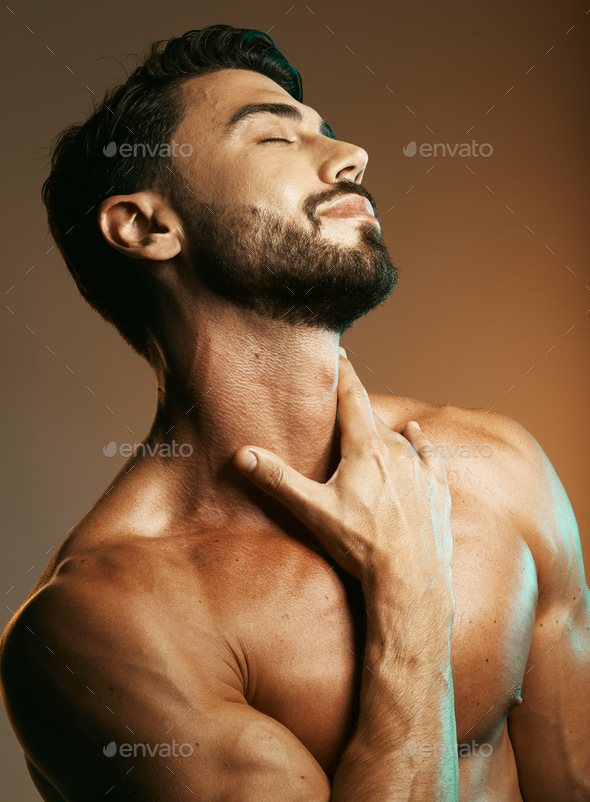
{"x":272,"y":474}
{"x":386,"y":433}
{"x":355,"y":415}
{"x":430,"y":453}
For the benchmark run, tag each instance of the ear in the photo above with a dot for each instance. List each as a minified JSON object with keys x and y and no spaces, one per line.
{"x":141,"y":225}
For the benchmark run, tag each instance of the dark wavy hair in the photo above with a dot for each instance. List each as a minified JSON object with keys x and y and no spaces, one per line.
{"x":146,"y":109}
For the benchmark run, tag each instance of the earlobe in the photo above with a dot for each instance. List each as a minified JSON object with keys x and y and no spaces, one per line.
{"x":141,"y":226}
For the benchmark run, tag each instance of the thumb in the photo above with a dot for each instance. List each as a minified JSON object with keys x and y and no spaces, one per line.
{"x":272,"y":474}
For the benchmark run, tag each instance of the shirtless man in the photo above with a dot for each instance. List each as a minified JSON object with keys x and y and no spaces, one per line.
{"x":274,"y":614}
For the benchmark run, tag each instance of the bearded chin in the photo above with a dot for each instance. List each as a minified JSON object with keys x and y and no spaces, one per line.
{"x":284,"y":272}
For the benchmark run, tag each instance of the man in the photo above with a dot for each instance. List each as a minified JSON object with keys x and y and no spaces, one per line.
{"x":273,"y":614}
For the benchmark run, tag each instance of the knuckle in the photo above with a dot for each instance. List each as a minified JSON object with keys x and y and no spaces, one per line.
{"x":408,"y":450}
{"x":426,"y":450}
{"x":357,"y":393}
{"x":375,"y":446}
{"x":275,"y":478}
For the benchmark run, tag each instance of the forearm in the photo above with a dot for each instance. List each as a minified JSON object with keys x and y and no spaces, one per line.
{"x":405,"y":744}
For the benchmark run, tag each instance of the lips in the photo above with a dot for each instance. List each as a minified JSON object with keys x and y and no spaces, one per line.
{"x":349,"y":206}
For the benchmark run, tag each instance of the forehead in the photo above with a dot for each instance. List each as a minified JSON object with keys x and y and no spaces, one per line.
{"x":213,"y":98}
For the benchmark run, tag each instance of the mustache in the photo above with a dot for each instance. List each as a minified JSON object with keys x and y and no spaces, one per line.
{"x":344,"y":187}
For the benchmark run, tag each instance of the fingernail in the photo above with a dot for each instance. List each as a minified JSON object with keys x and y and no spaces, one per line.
{"x":416,"y":424}
{"x":246,"y":461}
{"x":343,"y":352}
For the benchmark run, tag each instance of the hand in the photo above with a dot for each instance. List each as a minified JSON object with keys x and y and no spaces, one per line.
{"x":386,"y":509}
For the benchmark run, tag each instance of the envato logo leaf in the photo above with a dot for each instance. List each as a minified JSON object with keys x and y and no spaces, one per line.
{"x":110,"y":449}
{"x":409,"y":149}
{"x":110,"y":750}
{"x":110,"y":149}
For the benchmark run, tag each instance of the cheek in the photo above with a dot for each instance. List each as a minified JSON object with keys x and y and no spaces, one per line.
{"x":293,"y":196}
{"x":237,"y":181}
{"x":274,"y":192}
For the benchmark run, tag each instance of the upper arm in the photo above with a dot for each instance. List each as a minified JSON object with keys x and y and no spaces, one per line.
{"x":550,"y":729}
{"x":76,"y":681}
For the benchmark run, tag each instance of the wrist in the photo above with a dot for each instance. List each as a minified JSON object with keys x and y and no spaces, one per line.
{"x":409,"y":600}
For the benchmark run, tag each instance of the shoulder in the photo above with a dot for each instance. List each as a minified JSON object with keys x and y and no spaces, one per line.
{"x":484,"y":431}
{"x":105,"y":633}
{"x":493,"y":462}
{"x":479,"y":442}
{"x":97,"y":613}
{"x":84,"y":596}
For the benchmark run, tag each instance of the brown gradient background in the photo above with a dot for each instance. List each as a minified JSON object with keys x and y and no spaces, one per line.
{"x":481,"y":298}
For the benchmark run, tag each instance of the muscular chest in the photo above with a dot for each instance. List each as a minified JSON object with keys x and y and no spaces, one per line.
{"x":305,"y":642}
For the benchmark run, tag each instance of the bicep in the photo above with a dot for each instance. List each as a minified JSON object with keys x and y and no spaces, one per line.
{"x":243,"y":755}
{"x":77,"y":680}
{"x":549,"y":730}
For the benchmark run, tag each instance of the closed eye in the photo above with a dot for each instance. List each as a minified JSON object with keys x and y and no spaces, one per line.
{"x":276,"y":139}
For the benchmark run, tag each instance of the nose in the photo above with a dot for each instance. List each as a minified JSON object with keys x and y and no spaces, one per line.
{"x":343,"y":160}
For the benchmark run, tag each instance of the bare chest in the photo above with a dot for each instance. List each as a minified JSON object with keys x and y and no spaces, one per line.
{"x":300,"y":633}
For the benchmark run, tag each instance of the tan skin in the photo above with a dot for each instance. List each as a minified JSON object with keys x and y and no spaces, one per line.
{"x":224,"y":609}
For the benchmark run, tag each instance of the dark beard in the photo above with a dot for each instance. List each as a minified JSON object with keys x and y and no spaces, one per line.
{"x":283,"y":271}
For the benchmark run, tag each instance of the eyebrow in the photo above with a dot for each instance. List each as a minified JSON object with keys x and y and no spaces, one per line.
{"x":279,"y":109}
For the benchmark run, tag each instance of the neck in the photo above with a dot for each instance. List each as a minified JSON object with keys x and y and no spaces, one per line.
{"x":233,"y":379}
